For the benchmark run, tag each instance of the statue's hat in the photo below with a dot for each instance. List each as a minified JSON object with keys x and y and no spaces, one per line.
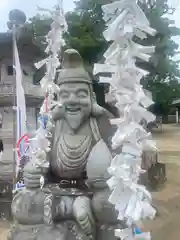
{"x":73,"y":69}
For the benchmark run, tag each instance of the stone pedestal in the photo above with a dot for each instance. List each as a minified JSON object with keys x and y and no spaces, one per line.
{"x":49,"y":214}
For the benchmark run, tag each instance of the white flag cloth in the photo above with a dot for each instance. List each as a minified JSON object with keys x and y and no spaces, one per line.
{"x":21,"y":104}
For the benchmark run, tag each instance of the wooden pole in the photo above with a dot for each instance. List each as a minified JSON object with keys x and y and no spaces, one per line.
{"x":14,"y":107}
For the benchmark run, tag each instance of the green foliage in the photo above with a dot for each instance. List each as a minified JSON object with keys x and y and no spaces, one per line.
{"x":163,"y":91}
{"x":85,"y":31}
{"x":37,"y":28}
{"x":161,"y":65}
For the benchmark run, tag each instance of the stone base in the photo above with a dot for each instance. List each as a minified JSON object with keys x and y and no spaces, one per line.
{"x":48,"y":214}
{"x":107,"y":232}
{"x":65,"y":231}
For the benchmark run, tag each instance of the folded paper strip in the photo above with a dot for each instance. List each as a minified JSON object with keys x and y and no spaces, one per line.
{"x":125,"y":20}
{"x":39,"y":143}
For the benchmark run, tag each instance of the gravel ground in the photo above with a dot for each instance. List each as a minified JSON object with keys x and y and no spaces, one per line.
{"x":4,"y":230}
{"x":167,"y":197}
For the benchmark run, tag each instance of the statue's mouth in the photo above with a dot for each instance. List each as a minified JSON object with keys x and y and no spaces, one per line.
{"x":73,"y":110}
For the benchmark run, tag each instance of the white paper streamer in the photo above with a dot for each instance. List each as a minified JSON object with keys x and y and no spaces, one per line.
{"x":40,"y":145}
{"x":125,"y":20}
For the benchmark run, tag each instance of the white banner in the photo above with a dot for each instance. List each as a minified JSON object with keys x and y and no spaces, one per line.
{"x":21,"y":104}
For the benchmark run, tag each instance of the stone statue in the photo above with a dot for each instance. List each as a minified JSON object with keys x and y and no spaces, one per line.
{"x":73,"y":204}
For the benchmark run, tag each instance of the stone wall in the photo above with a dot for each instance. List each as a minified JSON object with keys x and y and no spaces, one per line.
{"x":6,"y":77}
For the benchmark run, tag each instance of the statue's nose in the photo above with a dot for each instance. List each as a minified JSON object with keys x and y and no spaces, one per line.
{"x":73,"y":99}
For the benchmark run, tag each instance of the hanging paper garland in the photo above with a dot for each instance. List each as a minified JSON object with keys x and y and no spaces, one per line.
{"x":46,"y":102}
{"x":125,"y":19}
{"x":23,"y":148}
{"x":44,"y":120}
{"x":40,"y":144}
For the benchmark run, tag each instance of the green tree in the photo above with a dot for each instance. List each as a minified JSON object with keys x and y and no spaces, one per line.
{"x":86,"y":26}
{"x":163,"y":80}
{"x":85,"y":34}
{"x":36,"y":29}
{"x":162,"y":65}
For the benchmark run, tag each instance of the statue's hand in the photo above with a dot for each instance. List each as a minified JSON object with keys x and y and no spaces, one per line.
{"x":56,"y":111}
{"x":33,"y":175}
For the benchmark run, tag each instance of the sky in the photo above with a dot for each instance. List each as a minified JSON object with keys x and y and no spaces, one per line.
{"x":29,"y":7}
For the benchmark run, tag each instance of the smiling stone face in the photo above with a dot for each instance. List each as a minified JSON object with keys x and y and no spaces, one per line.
{"x":76,"y":101}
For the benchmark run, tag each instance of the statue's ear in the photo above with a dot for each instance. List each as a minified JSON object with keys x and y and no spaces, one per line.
{"x":94,"y":97}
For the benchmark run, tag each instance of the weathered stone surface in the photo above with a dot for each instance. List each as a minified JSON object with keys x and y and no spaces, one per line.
{"x":74,"y":202}
{"x":103,"y":210}
{"x":65,"y":231}
{"x":68,"y":230}
{"x":28,"y":207}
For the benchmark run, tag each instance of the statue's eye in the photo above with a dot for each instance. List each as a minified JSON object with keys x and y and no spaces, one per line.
{"x":64,"y":94}
{"x":82,"y":94}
